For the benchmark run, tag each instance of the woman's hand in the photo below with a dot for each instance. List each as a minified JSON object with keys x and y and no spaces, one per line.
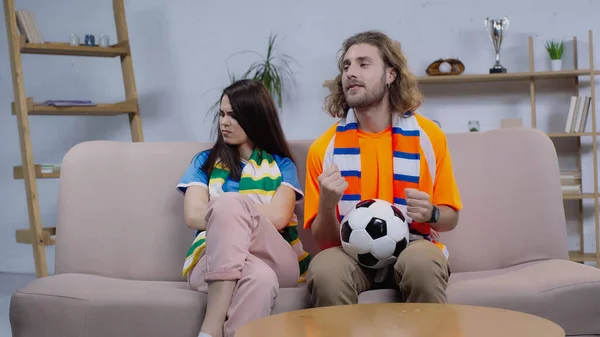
{"x":195,"y":203}
{"x":281,"y":208}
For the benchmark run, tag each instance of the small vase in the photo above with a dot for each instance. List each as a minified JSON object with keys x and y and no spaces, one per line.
{"x":556,"y":65}
{"x":474,"y":126}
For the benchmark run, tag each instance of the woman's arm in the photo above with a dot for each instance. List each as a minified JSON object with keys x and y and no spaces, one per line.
{"x":280,"y":210}
{"x":194,"y":206}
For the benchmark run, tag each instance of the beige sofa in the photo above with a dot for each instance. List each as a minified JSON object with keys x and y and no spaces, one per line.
{"x":122,"y":239}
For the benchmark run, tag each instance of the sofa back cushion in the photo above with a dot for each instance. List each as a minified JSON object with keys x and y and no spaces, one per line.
{"x":120,"y":215}
{"x":509,"y":182}
{"x":119,"y":212}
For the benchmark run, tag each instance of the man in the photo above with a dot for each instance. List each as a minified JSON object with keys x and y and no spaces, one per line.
{"x":381,"y":149}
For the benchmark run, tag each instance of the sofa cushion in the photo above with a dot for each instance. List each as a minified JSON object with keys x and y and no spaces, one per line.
{"x":90,"y":305}
{"x":564,"y":292}
{"x":290,"y":299}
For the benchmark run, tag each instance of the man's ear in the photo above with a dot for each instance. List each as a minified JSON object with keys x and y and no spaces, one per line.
{"x":392,"y":74}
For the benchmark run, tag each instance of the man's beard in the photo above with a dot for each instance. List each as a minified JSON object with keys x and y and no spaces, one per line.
{"x":369,"y":99}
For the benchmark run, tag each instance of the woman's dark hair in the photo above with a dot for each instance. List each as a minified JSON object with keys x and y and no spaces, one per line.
{"x":255,"y":111}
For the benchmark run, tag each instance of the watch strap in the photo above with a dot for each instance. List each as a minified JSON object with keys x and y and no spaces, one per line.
{"x":434,"y":214}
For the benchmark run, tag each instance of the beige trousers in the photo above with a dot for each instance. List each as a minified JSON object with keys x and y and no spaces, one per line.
{"x":420,"y":274}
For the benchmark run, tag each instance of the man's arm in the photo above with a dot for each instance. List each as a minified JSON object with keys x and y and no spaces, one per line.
{"x":445,"y":190}
{"x":325,"y":227}
{"x":447,"y":221}
{"x":323,"y":189}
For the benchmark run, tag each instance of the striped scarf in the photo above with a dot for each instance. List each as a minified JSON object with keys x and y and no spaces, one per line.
{"x":259,"y":181}
{"x":407,"y":151}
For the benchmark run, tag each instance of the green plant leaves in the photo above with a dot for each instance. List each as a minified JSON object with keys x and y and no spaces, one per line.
{"x":267,"y":71}
{"x":555,"y":49}
{"x":270,"y":70}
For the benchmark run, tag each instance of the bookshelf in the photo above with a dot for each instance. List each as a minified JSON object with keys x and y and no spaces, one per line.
{"x":531,"y":76}
{"x":25,"y":38}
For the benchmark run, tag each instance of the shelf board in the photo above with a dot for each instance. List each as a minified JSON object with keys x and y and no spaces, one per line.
{"x":579,"y":196}
{"x":582,"y":257}
{"x":506,"y":77}
{"x":48,"y":235}
{"x":61,"y":48}
{"x":110,"y":109}
{"x":39,"y":173}
{"x":572,"y":134}
{"x":522,"y":76}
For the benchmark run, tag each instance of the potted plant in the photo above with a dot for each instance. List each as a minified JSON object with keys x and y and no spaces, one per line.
{"x":271,"y":73}
{"x":555,"y":51}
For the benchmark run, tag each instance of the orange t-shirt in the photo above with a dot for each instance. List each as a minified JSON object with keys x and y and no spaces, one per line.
{"x":378,"y":171}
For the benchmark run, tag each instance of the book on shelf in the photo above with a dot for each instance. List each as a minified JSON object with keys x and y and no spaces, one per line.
{"x":28,"y":26}
{"x":50,"y":168}
{"x":577,"y":116}
{"x":569,"y":178}
{"x":570,"y":182}
{"x":59,"y":103}
{"x":575,"y":189}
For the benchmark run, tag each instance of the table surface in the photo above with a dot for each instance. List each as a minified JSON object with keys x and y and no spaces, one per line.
{"x":402,"y":319}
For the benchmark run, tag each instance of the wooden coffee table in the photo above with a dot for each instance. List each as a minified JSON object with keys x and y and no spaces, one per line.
{"x":402,"y":319}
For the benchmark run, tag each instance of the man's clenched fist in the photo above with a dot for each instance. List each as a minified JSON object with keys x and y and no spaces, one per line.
{"x":332,"y":186}
{"x":418,"y":205}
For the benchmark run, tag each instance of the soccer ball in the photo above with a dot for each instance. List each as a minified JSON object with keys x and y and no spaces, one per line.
{"x":374,"y":233}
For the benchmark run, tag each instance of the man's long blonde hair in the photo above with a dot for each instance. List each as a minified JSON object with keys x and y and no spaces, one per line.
{"x":404,"y":94}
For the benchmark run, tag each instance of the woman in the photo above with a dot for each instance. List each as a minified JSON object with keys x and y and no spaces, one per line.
{"x":240,"y":197}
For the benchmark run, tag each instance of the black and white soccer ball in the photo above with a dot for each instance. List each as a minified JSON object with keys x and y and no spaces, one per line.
{"x":374,"y":233}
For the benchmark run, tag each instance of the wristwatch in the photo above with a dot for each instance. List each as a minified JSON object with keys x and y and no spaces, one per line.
{"x":435,"y":215}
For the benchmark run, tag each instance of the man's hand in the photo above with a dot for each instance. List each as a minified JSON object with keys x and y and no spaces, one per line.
{"x":332,"y":186}
{"x":326,"y":226}
{"x":418,"y":205}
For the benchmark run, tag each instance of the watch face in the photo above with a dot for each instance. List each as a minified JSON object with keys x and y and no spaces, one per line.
{"x":436,"y":214}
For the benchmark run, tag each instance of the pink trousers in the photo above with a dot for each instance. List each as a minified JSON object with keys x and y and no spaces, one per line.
{"x":243,"y":245}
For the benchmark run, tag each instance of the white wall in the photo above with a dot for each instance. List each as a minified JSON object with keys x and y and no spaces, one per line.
{"x":179,"y":51}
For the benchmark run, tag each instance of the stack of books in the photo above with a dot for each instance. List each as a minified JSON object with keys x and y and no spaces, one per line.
{"x":28,"y":27}
{"x":68,"y":103}
{"x":570,"y":182}
{"x":50,"y":168}
{"x":578,"y":114}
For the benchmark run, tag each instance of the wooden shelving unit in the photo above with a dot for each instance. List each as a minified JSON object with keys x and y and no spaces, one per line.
{"x":37,"y":236}
{"x":531,"y":76}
